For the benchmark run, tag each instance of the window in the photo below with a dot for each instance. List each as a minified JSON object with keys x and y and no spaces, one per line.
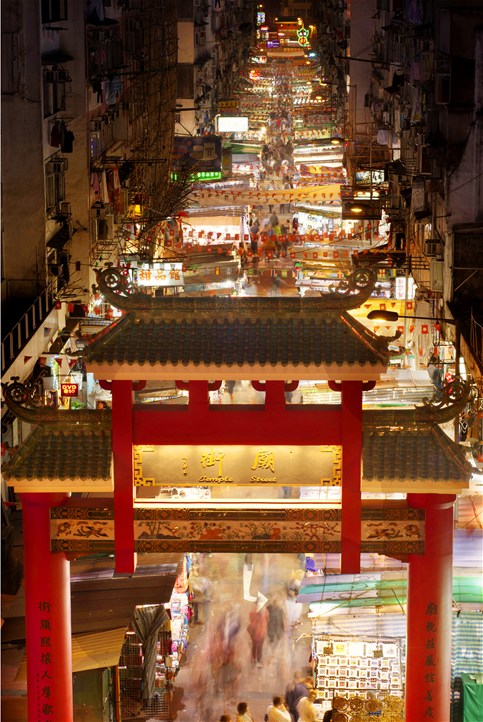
{"x":55,"y":182}
{"x":53,"y":11}
{"x":184,"y":81}
{"x":55,"y":80}
{"x":10,"y":63}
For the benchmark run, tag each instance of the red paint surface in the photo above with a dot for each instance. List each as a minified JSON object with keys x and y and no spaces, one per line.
{"x":351,"y":476}
{"x":47,"y":615}
{"x":430,"y":577}
{"x":202,"y":424}
{"x":122,"y":452}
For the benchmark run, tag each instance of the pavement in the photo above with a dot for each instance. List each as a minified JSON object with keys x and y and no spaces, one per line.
{"x":202,"y":693}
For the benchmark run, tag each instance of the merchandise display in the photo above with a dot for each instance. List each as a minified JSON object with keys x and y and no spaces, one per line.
{"x":365,"y":667}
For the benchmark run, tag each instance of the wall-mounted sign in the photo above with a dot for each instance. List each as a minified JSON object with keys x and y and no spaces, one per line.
{"x":68,"y":390}
{"x":237,"y":465}
{"x":303,"y":36}
{"x":229,"y":104}
{"x":159,"y":274}
{"x":204,"y":151}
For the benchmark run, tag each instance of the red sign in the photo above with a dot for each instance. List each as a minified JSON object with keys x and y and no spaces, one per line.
{"x":69,"y":389}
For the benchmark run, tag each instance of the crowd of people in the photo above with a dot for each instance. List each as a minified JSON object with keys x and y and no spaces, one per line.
{"x":298,"y":705}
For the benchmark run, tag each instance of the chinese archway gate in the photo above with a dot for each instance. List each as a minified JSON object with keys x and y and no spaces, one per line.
{"x":274,"y":343}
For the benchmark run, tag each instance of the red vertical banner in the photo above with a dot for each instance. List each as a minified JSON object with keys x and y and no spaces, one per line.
{"x":123,"y":467}
{"x":351,"y":476}
{"x":47,"y":615}
{"x":430,"y":594}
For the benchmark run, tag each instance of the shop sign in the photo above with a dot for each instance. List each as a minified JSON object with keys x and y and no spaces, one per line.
{"x":204,"y":150}
{"x":162,"y":274}
{"x":238,"y":465}
{"x":68,"y":390}
{"x":228,"y":105}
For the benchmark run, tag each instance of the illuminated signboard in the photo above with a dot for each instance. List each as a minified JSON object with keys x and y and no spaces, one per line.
{"x":231,"y":123}
{"x":260,"y":17}
{"x":238,"y":465}
{"x":159,"y":274}
{"x":303,"y":36}
{"x":67,"y":390}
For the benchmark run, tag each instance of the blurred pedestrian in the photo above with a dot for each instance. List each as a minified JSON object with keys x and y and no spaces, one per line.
{"x":306,"y":708}
{"x":230,"y":387}
{"x":257,"y":629}
{"x":277,"y":620}
{"x":277,"y":711}
{"x":297,"y":689}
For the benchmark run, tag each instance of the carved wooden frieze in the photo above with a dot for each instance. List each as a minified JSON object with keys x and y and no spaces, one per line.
{"x":273,"y":528}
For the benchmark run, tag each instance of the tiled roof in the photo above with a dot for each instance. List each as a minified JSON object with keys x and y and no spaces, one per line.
{"x":66,"y":454}
{"x":413,"y":454}
{"x":388,"y":455}
{"x":230,"y":340}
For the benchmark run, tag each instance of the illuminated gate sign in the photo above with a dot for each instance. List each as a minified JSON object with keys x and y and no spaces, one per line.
{"x":237,"y":465}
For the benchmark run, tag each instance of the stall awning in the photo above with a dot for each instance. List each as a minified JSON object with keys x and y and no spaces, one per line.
{"x":90,"y":651}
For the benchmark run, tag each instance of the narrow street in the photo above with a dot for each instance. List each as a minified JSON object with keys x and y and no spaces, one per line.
{"x":218,"y":671}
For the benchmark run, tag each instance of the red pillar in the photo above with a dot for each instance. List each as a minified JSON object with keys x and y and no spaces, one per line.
{"x":351,"y":425}
{"x":47,"y":615}
{"x":430,"y":577}
{"x":122,"y":452}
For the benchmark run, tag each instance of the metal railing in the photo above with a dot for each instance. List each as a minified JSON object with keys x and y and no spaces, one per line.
{"x":25,"y":328}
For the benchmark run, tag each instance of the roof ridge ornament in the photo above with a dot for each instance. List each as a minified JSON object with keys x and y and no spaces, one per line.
{"x":25,"y":401}
{"x":444,"y":405}
{"x":350,"y":292}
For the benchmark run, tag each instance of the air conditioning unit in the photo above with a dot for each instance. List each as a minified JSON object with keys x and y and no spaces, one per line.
{"x":63,"y":76}
{"x":65,"y":208}
{"x":436,"y":275}
{"x":433,"y":248}
{"x":57,"y":165}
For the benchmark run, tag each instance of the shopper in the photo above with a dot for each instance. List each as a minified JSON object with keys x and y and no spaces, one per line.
{"x":277,"y":711}
{"x":257,"y":629}
{"x":295,"y":691}
{"x":243,"y":714}
{"x":306,"y":708}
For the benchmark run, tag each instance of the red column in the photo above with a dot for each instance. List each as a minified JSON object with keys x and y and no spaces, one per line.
{"x":122,"y":452}
{"x":430,"y":576}
{"x":351,"y":425}
{"x":47,"y":615}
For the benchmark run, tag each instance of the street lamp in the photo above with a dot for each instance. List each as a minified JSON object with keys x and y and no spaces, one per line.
{"x":394,"y":316}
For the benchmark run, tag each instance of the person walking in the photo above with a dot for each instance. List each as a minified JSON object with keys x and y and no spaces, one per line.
{"x":306,"y":708}
{"x":295,"y":691}
{"x":257,"y":629}
{"x":277,"y":711}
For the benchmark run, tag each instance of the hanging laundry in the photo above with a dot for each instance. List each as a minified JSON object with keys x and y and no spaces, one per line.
{"x":95,"y":184}
{"x":57,"y":134}
{"x":116,"y":182}
{"x":113,"y":89}
{"x":68,"y":142}
{"x":104,"y":194}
